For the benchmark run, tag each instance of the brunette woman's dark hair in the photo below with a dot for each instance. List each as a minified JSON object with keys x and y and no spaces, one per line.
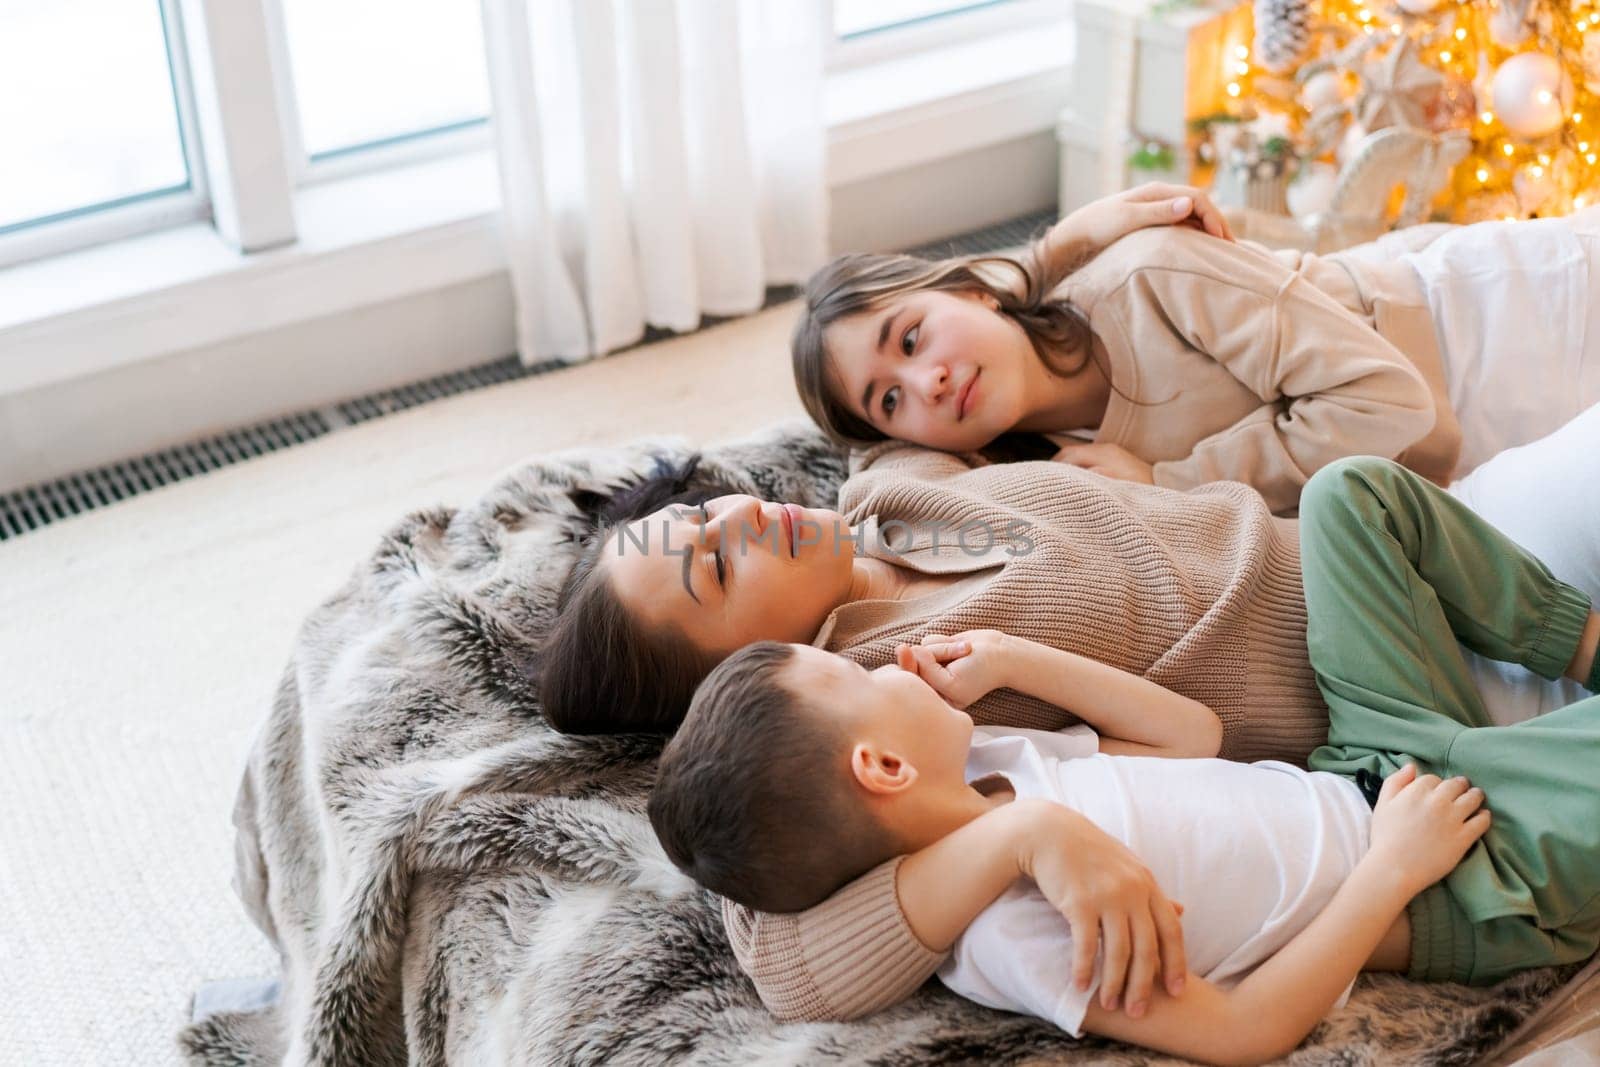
{"x":600,"y":670}
{"x":860,"y":282}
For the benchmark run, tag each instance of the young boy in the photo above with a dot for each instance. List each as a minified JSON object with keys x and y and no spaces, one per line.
{"x":797,"y":770}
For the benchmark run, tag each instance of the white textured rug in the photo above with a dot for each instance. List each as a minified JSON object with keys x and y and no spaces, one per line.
{"x":139,"y":645}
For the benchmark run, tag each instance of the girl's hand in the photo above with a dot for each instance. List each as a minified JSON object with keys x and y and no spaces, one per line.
{"x":1113,"y":461}
{"x":964,"y":668}
{"x":1102,"y":222}
{"x":1106,"y":895}
{"x":1422,"y":825}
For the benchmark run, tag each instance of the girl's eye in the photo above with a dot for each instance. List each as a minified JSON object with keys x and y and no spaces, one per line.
{"x":908,"y":340}
{"x":891,"y":400}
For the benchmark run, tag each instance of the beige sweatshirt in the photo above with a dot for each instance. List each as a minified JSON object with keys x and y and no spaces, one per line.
{"x":1198,"y":591}
{"x":1230,"y":362}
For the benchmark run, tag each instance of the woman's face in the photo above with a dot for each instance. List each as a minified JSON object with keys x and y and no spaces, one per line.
{"x":940,"y":369}
{"x":734,"y":571}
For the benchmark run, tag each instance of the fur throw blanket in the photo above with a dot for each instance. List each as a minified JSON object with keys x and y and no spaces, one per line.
{"x":447,"y":879}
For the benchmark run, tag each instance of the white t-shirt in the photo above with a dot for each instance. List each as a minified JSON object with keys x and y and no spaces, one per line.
{"x":1252,"y":851}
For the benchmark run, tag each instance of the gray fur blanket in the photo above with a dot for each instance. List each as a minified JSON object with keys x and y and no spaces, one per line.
{"x":446,"y":879}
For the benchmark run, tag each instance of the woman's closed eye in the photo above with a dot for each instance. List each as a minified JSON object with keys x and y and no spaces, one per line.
{"x":716,"y":553}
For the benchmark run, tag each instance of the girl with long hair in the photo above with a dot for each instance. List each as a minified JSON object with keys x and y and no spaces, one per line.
{"x":1175,"y":360}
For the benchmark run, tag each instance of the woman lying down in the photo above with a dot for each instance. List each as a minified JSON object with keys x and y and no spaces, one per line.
{"x":796,"y":770}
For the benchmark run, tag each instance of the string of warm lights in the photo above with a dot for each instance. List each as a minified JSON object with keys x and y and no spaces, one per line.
{"x":1238,"y":71}
{"x":1522,"y":77}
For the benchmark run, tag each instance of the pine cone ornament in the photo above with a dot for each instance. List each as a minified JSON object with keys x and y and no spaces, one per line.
{"x":1283,"y":31}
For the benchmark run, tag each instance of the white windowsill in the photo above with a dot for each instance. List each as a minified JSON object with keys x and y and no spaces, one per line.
{"x":387,"y":235}
{"x":362,"y":240}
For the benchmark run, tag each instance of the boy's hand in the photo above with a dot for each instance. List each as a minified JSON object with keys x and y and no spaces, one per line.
{"x":1423,"y":825}
{"x":1106,"y":894}
{"x":963,"y":668}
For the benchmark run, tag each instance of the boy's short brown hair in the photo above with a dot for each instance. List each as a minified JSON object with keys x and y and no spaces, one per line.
{"x":754,"y":798}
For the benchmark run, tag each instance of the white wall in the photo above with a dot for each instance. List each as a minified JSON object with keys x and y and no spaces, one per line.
{"x":945,"y":198}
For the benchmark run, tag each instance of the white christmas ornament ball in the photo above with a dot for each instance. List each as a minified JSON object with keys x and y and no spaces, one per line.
{"x":1418,"y":7}
{"x":1528,"y":93}
{"x":1324,"y":89}
{"x":1312,"y":192}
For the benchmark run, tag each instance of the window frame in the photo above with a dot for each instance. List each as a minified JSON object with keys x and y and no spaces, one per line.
{"x":931,"y":32}
{"x":419,"y":146}
{"x":140,"y":213}
{"x":239,"y":128}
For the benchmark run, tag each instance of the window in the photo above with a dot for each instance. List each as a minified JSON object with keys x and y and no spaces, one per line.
{"x":374,"y":73}
{"x":89,"y":102}
{"x":854,"y":17}
{"x":109,"y":133}
{"x":871,"y":32}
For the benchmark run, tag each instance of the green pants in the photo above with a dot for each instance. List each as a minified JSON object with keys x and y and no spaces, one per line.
{"x":1397,"y":572}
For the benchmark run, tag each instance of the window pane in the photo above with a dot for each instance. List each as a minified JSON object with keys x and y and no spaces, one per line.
{"x":87,"y":113}
{"x":369,"y":71}
{"x":851,"y":17}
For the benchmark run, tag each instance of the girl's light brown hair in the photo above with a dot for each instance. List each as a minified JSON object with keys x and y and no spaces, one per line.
{"x":861,"y":282}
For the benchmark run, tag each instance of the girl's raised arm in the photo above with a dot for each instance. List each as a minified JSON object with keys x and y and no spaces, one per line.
{"x":1099,"y":223}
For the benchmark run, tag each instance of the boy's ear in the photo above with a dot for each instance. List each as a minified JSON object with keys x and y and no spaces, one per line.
{"x":880,"y":771}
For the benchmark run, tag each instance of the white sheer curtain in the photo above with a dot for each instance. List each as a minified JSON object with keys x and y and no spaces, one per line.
{"x":659,"y":159}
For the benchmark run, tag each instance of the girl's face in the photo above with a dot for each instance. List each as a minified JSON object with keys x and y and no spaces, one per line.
{"x":734,"y":571}
{"x":940,"y":369}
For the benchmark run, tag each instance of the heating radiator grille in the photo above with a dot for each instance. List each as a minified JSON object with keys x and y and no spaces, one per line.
{"x":1011,"y":234}
{"x":30,"y":508}
{"x":376,"y":405}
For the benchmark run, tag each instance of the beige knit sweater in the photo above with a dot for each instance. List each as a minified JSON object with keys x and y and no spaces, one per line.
{"x":1199,"y":591}
{"x":1230,"y":362}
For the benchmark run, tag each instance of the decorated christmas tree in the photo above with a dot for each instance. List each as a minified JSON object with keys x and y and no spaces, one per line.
{"x":1494,"y":107}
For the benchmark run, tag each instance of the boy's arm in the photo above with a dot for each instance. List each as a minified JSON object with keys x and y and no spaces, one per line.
{"x":1421,"y":829}
{"x":1134,"y":716}
{"x":873,"y":943}
{"x":1093,"y":880}
{"x":1277,"y":1005}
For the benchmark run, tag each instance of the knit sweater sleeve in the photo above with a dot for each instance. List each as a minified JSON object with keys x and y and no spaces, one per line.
{"x":1330,"y":385}
{"x":849,"y":956}
{"x":893,"y":457}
